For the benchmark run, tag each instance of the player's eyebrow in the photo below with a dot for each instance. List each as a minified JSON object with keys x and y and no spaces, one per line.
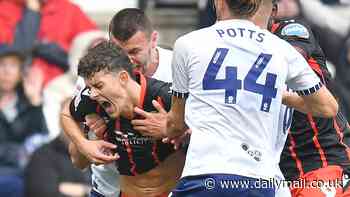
{"x":134,"y":50}
{"x":99,"y":83}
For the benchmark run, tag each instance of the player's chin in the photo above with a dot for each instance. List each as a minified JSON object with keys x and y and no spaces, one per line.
{"x":113,"y":112}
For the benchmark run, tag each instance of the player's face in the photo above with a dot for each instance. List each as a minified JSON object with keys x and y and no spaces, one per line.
{"x":10,"y":73}
{"x":273,"y":16}
{"x":288,"y":9}
{"x":109,"y":89}
{"x":139,"y":48}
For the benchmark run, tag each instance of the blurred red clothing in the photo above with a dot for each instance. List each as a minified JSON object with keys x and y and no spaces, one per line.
{"x":60,"y":22}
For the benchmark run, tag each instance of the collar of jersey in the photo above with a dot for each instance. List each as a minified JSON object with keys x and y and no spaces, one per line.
{"x":230,"y":21}
{"x":143,"y":83}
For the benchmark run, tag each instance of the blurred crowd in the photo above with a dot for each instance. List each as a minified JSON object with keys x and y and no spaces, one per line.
{"x":41,"y":42}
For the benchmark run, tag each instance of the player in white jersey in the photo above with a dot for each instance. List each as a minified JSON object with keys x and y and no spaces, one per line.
{"x":234,"y":74}
{"x":139,"y":40}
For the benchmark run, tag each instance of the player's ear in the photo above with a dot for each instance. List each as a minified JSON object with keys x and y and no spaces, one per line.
{"x":154,"y":39}
{"x":274,"y":11}
{"x":123,"y":77}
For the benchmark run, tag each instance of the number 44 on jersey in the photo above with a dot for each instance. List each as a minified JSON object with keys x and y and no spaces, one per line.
{"x":231,"y":84}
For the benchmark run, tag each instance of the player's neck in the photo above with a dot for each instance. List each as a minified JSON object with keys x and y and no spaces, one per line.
{"x":135,"y":93}
{"x":153,"y":65}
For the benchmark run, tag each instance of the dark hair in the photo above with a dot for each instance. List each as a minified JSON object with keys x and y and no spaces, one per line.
{"x":243,"y":8}
{"x":129,"y":21}
{"x":104,"y":56}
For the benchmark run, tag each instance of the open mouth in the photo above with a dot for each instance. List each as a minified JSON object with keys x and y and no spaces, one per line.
{"x":107,"y":106}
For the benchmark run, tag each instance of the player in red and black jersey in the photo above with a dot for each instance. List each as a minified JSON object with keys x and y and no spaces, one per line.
{"x":316,"y":148}
{"x":148,"y":167}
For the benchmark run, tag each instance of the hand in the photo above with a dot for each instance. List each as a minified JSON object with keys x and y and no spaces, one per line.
{"x":177,"y":141}
{"x":33,"y":5}
{"x":73,"y":189}
{"x":33,"y":84}
{"x":98,"y":151}
{"x":154,"y":124}
{"x":96,"y":124}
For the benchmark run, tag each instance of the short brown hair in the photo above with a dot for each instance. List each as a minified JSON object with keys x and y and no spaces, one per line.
{"x":104,"y":56}
{"x":243,"y":8}
{"x":129,"y":21}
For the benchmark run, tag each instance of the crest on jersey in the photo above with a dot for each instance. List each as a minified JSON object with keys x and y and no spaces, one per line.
{"x":296,"y":30}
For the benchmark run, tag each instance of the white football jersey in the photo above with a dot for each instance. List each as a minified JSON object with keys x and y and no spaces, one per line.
{"x":234,"y":73}
{"x":163,"y":72}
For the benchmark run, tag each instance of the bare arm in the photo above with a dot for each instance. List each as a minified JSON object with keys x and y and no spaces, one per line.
{"x":320,"y":104}
{"x":176,"y":118}
{"x":96,"y":151}
{"x":78,"y":159}
{"x":70,"y":127}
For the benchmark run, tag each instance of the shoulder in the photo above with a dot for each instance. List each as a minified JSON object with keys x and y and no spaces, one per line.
{"x":192,"y":38}
{"x":293,"y":28}
{"x":165,"y":56}
{"x":157,"y":87}
{"x":165,"y":53}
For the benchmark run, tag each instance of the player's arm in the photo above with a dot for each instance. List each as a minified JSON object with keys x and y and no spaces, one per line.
{"x":180,"y":89}
{"x":93,"y":150}
{"x":305,"y":43}
{"x":316,"y":98}
{"x":176,"y":118}
{"x":78,"y":159}
{"x":70,"y":126}
{"x":308,"y":104}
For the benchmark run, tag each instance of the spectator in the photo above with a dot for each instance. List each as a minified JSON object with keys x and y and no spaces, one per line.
{"x":46,"y":27}
{"x":59,"y":176}
{"x":22,"y":125}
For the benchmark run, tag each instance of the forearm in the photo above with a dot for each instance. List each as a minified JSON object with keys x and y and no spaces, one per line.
{"x":175,"y":119}
{"x":174,"y":128}
{"x":320,"y":104}
{"x":78,"y":159}
{"x":27,"y":30}
{"x":293,"y":100}
{"x":70,"y":127}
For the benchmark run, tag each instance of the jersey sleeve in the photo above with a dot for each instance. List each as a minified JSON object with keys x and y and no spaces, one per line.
{"x":301,"y":77}
{"x":165,"y":95}
{"x":180,"y":69}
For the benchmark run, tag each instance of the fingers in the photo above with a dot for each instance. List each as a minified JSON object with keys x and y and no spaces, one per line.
{"x":138,"y":122}
{"x":91,"y":119}
{"x":96,"y":124}
{"x":158,"y":106}
{"x":104,"y":159}
{"x":142,"y":129}
{"x":108,"y":145}
{"x":188,"y":131}
{"x":166,"y":140}
{"x":141,"y":112}
{"x":105,"y":155}
{"x":101,"y":131}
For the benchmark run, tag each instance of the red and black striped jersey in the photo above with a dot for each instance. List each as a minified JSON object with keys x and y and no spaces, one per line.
{"x":312,"y":142}
{"x":138,"y":153}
